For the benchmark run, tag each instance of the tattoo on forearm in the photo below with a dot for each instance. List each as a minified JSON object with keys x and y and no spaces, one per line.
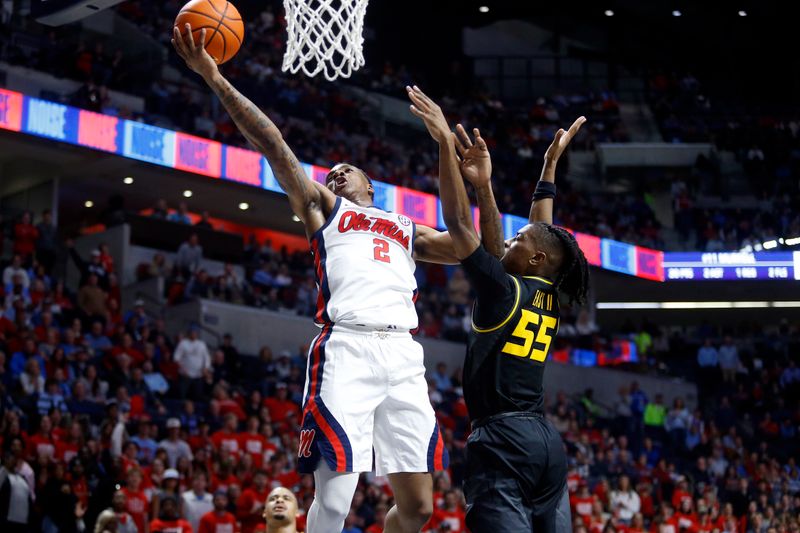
{"x":490,"y":222}
{"x":262,"y":133}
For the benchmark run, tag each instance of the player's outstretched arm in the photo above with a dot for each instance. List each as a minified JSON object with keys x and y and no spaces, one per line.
{"x":307,"y":198}
{"x":456,"y":209}
{"x":476,"y":168}
{"x":542,"y":204}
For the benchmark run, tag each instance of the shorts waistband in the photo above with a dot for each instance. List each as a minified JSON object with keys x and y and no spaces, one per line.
{"x":510,"y":414}
{"x":371,"y":331}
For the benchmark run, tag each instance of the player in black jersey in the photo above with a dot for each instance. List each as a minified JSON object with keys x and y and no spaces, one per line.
{"x":516,"y":463}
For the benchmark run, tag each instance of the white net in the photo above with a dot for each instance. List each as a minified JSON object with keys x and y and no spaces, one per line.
{"x":324,"y":36}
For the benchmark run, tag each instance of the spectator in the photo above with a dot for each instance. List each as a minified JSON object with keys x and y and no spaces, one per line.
{"x":92,"y":300}
{"x":204,"y":221}
{"x":169,"y":521}
{"x":251,"y":504}
{"x":654,"y":417}
{"x":93,"y":266}
{"x":381,"y":509}
{"x":194,"y":362}
{"x":708,"y":361}
{"x":107,"y":523}
{"x":181,"y":216}
{"x":145,"y":442}
{"x":97,"y":341}
{"x":161,"y":210}
{"x":124,"y":521}
{"x":729,"y":360}
{"x":175,"y":447}
{"x":442,"y":380}
{"x":281,"y":407}
{"x":32,"y":381}
{"x":458,"y":288}
{"x":197,"y":502}
{"x":136,"y":501}
{"x":51,"y":398}
{"x":677,"y":423}
{"x":46,"y":245}
{"x":190,"y":254}
{"x":219,"y":519}
{"x":451,"y":516}
{"x":280,"y":511}
{"x":14,"y":270}
{"x":625,"y":502}
{"x":15,"y":497}
{"x":169,"y":487}
{"x":25,"y":236}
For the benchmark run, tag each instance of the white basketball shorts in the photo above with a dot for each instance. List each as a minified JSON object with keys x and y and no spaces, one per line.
{"x":366,"y":390}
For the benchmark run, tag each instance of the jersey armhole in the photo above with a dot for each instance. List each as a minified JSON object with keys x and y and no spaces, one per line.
{"x":479,"y":329}
{"x":330,"y":218}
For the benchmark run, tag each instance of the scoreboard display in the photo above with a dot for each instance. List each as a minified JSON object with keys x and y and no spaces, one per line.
{"x":702,"y":266}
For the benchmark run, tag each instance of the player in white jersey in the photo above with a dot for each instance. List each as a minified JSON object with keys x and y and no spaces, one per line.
{"x":365,"y":387}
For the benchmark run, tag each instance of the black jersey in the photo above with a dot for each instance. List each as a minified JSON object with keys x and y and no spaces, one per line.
{"x":514,"y":322}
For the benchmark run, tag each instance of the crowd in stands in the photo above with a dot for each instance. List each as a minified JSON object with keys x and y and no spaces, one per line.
{"x":324,"y":123}
{"x":765,"y":139}
{"x":733,"y":228}
{"x":106,"y":416}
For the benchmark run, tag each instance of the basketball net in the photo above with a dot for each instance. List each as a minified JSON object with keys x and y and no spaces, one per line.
{"x":324,"y":36}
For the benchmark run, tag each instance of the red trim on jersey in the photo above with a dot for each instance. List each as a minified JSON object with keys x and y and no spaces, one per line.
{"x":322,"y":303}
{"x":311,"y":404}
{"x":438,"y":455}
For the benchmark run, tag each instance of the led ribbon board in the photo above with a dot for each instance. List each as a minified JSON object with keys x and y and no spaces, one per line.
{"x":160,"y":146}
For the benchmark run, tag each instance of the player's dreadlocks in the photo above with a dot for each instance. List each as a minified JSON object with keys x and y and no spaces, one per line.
{"x":573,"y":277}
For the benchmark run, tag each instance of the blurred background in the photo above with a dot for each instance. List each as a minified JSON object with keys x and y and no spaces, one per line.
{"x":157,"y":291}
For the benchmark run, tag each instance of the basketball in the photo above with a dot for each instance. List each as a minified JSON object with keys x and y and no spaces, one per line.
{"x":222,"y":22}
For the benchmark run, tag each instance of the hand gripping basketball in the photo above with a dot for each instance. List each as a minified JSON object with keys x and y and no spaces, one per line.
{"x":195,"y":55}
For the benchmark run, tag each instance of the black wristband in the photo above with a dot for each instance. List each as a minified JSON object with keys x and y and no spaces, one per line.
{"x":544,"y":189}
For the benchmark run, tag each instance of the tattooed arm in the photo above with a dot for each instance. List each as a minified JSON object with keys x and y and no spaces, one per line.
{"x":309,"y":200}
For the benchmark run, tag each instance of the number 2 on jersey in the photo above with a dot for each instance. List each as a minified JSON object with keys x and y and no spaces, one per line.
{"x":542,"y":336}
{"x":381,"y":252}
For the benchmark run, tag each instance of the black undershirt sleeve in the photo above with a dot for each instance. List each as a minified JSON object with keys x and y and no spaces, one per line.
{"x":493,"y":286}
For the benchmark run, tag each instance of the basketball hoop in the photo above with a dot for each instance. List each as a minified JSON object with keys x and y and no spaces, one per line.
{"x":324,"y":36}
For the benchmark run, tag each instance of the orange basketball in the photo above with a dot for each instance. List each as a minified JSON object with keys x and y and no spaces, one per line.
{"x":223,"y":24}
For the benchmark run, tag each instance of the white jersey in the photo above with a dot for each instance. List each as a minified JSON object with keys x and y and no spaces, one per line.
{"x":365,"y":268}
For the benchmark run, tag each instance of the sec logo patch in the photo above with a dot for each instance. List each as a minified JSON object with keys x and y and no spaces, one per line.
{"x":404,"y":220}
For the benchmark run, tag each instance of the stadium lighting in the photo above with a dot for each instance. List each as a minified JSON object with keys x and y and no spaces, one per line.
{"x":742,"y":13}
{"x":769,"y":245}
{"x":609,"y":12}
{"x":676,"y":13}
{"x":793,"y":241}
{"x":128,"y":180}
{"x":187,"y":193}
{"x":483,"y":9}
{"x":244,"y":206}
{"x":88,"y":203}
{"x":295,"y":218}
{"x":758,"y":247}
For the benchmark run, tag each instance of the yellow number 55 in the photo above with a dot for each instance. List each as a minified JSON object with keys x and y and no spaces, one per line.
{"x":546,"y":325}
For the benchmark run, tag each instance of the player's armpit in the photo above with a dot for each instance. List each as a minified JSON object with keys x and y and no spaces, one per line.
{"x":433,"y":246}
{"x":327,"y":198}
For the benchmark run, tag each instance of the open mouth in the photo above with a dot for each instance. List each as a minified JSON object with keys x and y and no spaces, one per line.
{"x":339,"y":182}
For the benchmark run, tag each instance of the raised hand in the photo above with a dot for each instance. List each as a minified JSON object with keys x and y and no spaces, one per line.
{"x":193,"y":53}
{"x":562,"y":140}
{"x":476,"y":164}
{"x":430,"y":113}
